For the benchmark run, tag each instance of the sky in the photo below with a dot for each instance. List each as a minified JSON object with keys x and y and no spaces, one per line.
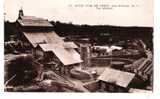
{"x":70,"y":11}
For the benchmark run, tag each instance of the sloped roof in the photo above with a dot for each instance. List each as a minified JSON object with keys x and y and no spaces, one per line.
{"x":34,"y":21}
{"x":70,"y":45}
{"x":116,"y":77}
{"x":66,"y":56}
{"x":50,"y":41}
{"x":43,"y":38}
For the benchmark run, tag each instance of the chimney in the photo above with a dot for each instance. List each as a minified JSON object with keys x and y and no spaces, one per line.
{"x":85,"y":55}
{"x":21,"y":13}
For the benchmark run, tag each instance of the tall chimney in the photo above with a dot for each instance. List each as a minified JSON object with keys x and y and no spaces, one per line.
{"x":85,"y":55}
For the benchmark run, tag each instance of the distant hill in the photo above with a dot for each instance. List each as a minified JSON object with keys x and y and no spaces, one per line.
{"x":72,"y":29}
{"x":114,"y":32}
{"x":118,"y":32}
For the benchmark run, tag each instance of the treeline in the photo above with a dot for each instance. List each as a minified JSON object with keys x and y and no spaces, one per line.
{"x":94,"y":30}
{"x":69,"y":29}
{"x":9,"y":29}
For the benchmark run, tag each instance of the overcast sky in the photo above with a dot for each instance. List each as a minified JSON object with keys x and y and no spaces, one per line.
{"x":60,"y":10}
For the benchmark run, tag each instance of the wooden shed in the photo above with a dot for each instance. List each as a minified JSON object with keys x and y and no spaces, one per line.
{"x":112,"y":80}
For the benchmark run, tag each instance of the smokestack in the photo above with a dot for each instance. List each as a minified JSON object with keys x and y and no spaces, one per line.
{"x":85,"y":55}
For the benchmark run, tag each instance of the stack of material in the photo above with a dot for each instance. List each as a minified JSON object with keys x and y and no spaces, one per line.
{"x":135,"y":64}
{"x":145,"y":68}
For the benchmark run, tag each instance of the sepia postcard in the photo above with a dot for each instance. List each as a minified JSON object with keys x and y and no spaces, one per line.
{"x":93,"y":46}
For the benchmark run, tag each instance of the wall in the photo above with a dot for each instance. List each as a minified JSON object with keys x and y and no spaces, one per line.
{"x":106,"y":61}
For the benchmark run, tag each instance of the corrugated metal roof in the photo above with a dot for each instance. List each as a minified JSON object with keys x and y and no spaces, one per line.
{"x":43,"y":38}
{"x":34,"y":21}
{"x":117,"y":77}
{"x":66,"y":56}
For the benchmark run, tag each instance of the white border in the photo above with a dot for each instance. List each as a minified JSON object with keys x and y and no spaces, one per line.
{"x":1,"y":46}
{"x":157,"y":46}
{"x":156,"y":93}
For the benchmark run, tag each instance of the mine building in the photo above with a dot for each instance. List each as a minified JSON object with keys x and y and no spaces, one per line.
{"x":112,"y":80}
{"x":64,"y":58}
{"x":29,"y":31}
{"x":36,"y":36}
